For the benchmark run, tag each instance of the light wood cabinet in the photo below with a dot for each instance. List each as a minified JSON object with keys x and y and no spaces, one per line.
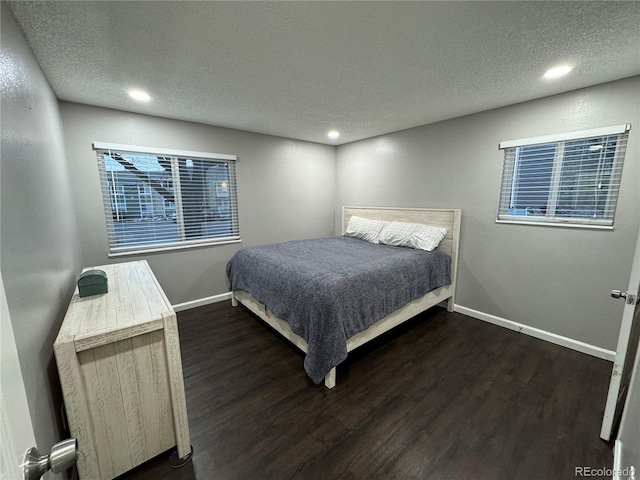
{"x":118,"y":357}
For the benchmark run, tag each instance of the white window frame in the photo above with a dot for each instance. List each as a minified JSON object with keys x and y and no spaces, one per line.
{"x":116,"y":251}
{"x":549,"y":219}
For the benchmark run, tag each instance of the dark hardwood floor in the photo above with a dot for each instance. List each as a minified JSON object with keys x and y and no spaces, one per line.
{"x":444,"y":396}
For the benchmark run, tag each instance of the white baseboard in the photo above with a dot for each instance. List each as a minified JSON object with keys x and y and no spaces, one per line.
{"x":502,"y":322}
{"x":179,"y":307}
{"x":536,"y":332}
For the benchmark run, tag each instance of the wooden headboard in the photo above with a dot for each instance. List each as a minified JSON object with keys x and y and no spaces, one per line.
{"x":448,"y":218}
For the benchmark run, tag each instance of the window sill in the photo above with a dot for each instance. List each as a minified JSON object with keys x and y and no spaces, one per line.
{"x":169,"y":248}
{"x":588,"y":226}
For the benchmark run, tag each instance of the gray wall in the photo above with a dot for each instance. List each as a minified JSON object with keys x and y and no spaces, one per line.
{"x":286,"y":190}
{"x":40,"y":255}
{"x":555,"y":279}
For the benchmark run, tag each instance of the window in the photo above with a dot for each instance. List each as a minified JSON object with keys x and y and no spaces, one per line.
{"x":158,"y":199}
{"x":566,"y":179}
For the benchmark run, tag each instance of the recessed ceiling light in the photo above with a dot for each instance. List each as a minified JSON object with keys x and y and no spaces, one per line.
{"x":333,"y":134}
{"x":558,"y":72}
{"x":139,"y":95}
{"x":595,"y":148}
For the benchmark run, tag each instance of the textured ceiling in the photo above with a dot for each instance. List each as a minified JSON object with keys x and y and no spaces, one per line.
{"x":298,"y":69}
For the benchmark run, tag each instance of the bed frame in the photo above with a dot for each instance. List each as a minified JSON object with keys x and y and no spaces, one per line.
{"x":448,"y":218}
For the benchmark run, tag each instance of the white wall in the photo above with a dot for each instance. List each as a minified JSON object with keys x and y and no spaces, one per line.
{"x":40,"y":256}
{"x":555,"y":279}
{"x":286,"y":190}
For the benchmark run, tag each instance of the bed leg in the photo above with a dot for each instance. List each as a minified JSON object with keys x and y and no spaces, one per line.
{"x":450,"y":305}
{"x":330,"y":378}
{"x":234,"y":300}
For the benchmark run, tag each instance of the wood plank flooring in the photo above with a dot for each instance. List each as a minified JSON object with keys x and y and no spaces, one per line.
{"x":444,"y":396}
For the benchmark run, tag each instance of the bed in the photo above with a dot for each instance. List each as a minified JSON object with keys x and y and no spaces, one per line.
{"x":310,"y":291}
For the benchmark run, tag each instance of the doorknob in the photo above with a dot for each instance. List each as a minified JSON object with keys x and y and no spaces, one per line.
{"x":630,"y":299}
{"x":63,"y":455}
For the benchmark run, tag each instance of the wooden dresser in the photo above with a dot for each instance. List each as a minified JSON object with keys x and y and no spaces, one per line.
{"x":118,"y":357}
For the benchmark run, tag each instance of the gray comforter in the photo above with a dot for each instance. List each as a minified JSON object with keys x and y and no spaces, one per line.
{"x":329,"y":289}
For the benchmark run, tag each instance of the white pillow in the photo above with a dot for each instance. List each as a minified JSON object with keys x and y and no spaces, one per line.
{"x":427,"y":237}
{"x":397,"y":233}
{"x":364,"y":229}
{"x":412,"y":235}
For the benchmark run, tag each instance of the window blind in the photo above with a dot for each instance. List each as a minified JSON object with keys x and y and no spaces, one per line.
{"x":569,"y":182}
{"x":156,"y":200}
